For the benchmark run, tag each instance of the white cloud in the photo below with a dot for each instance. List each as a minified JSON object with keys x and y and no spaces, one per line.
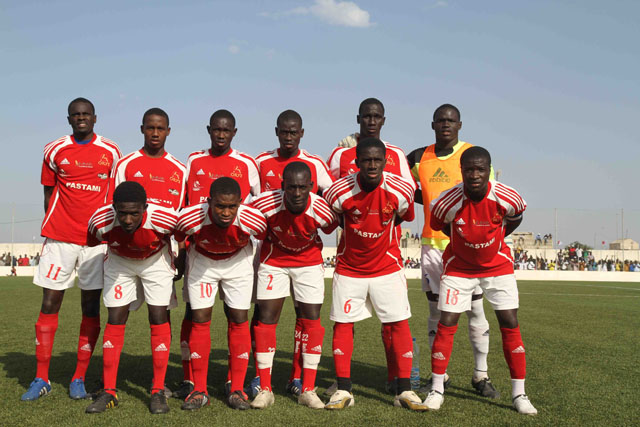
{"x":234,"y":48}
{"x":333,"y":12}
{"x":441,"y":4}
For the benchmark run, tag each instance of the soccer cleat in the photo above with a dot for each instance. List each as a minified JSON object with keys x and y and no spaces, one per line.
{"x":227,"y":388}
{"x":294,"y":387}
{"x":523,"y":405}
{"x":332,"y":389}
{"x":485,"y":388}
{"x":339,"y":400}
{"x":158,"y":403}
{"x":409,"y":400}
{"x":103,"y":402}
{"x":238,"y":400}
{"x":264,"y":399}
{"x":253,"y":388}
{"x":37,"y":389}
{"x":434,"y":400}
{"x":77,"y":390}
{"x":391,"y":387}
{"x":310,"y":399}
{"x":427,"y":386}
{"x":184,"y":390}
{"x":195,"y":400}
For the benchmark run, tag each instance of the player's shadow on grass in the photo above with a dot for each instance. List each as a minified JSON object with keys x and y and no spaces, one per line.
{"x":470,"y":394}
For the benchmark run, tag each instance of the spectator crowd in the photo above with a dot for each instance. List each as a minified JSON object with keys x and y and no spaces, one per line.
{"x":572,"y":258}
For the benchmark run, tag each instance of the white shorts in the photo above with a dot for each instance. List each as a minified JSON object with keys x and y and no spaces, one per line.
{"x":456,"y":292}
{"x":233,"y":275}
{"x":123,"y":277}
{"x":276,"y":282}
{"x":354,"y":298}
{"x":432,"y":270}
{"x":60,"y":260}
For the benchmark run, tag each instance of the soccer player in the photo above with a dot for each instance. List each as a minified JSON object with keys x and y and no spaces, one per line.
{"x":477,"y":215}
{"x":139,"y":253}
{"x":75,"y":176}
{"x":271,"y":164}
{"x":437,"y":168}
{"x":369,"y":271}
{"x":292,"y":253}
{"x":220,"y":256}
{"x":204,"y":167}
{"x":342,"y":162}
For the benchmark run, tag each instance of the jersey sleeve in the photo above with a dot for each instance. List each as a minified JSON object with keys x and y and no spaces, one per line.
{"x":332,"y":196}
{"x":511,"y":200}
{"x":325,"y":217}
{"x":252,"y":222}
{"x":189,"y":222}
{"x":325,"y":178}
{"x":334,"y":162}
{"x":98,"y":222}
{"x":254,"y":177}
{"x":48,"y":176}
{"x":117,"y":176}
{"x":163,"y":220}
{"x":442,"y":206}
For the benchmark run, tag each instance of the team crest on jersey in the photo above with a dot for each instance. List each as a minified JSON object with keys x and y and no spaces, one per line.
{"x":197,"y":186}
{"x":497,"y":218}
{"x":390,"y":160}
{"x":152,"y":177}
{"x":267,"y":186}
{"x":173,"y":192}
{"x":103,"y":176}
{"x":237,"y":173}
{"x":175,"y":178}
{"x":388,"y":208}
{"x":104,"y":161}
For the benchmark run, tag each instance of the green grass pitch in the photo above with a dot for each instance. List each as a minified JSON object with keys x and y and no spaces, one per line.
{"x":582,"y":341}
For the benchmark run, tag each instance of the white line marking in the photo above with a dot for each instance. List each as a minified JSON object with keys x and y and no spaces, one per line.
{"x":590,"y":286}
{"x":580,"y":295}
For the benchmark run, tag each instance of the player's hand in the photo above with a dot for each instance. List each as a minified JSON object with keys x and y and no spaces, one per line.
{"x":349,"y":141}
{"x":179,"y":263}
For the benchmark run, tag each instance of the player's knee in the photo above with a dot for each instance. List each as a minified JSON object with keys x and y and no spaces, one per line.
{"x":118,"y":315}
{"x":309,"y":311}
{"x":449,"y":319}
{"x":201,"y":316}
{"x":158,"y":314}
{"x":51,"y":301}
{"x":238,"y":316}
{"x":507,"y":318}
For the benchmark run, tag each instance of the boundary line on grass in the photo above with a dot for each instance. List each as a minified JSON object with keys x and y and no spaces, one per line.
{"x":581,"y":295}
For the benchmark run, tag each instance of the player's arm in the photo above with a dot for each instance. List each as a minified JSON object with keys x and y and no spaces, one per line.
{"x":48,"y":191}
{"x":179,"y":262}
{"x":512,"y":224}
{"x":413,"y":167}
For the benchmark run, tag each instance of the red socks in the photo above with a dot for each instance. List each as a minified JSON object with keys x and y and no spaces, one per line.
{"x":402,"y":347}
{"x":252,"y":330}
{"x":112,"y":342}
{"x":312,"y":337}
{"x":514,"y":353}
{"x":200,"y":345}
{"x":89,"y":332}
{"x":388,"y":351}
{"x":342,"y":349}
{"x":160,"y":346}
{"x":239,"y":339}
{"x":265,"y":351}
{"x":46,"y":327}
{"x":442,"y":347}
{"x":185,"y":333}
{"x":296,"y":365}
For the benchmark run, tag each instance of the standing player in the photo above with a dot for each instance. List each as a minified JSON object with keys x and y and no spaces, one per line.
{"x":139,"y":253}
{"x":369,"y":270}
{"x":204,"y":167}
{"x":477,"y":215}
{"x":220,"y":256}
{"x":75,"y":176}
{"x":437,"y":168}
{"x":342,"y":162}
{"x":271,"y":164}
{"x":292,"y":254}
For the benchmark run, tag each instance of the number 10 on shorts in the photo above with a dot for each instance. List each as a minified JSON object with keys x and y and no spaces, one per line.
{"x":206,"y":289}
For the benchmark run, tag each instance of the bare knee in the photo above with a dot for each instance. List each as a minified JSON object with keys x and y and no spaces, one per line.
{"x":51,"y":301}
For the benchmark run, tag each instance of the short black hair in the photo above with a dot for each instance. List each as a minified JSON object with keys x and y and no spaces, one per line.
{"x":224,"y":185}
{"x":223,"y":114}
{"x":446,"y":107}
{"x":155,"y":111}
{"x":475,"y":152}
{"x":370,"y":143}
{"x":370,"y":101}
{"x":296,"y":167}
{"x":129,"y":191}
{"x":289,"y":115}
{"x":83,"y":100}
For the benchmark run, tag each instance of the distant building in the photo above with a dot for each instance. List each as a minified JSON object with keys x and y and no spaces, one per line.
{"x":624,"y":244}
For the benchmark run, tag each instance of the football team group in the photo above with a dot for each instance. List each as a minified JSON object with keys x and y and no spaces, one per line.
{"x":248,"y":230}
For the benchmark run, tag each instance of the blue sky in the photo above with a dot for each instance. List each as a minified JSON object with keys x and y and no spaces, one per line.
{"x":550,"y":88}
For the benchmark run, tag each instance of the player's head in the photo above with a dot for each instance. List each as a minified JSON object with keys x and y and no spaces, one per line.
{"x":370,"y":118}
{"x":221,"y":129}
{"x":446,"y":124}
{"x":224,"y":200}
{"x":475,"y":164}
{"x":81,"y":117}
{"x":155,"y":128}
{"x":129,"y":202}
{"x":371,"y":158}
{"x":289,"y":131}
{"x":296,"y":184}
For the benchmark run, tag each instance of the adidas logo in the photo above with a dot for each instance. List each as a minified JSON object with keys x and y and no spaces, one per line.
{"x":64,"y":161}
{"x":161,"y":347}
{"x":277,"y":228}
{"x":357,"y":212}
{"x":184,"y":344}
{"x":205,"y":241}
{"x":137,"y":175}
{"x":432,"y":333}
{"x":520,"y":349}
{"x":408,"y":355}
{"x":244,"y":355}
{"x":460,"y":222}
{"x":438,"y":356}
{"x":115,"y":244}
{"x":107,"y":345}
{"x":86,"y":347}
{"x":195,"y":355}
{"x":270,"y":173}
{"x":271,"y":349}
{"x":317,"y":349}
{"x":440,"y":176}
{"x":37,"y":342}
{"x":486,"y":333}
{"x":338,"y":352}
{"x":200,"y":172}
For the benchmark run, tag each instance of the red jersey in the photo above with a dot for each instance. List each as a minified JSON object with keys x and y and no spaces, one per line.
{"x":158,"y":223}
{"x":271,"y":166}
{"x":369,"y":243}
{"x":292,"y":240}
{"x":477,"y":247}
{"x":203,"y":168}
{"x":342,"y":162}
{"x":216,"y":242}
{"x":79,"y":175}
{"x":163,"y":178}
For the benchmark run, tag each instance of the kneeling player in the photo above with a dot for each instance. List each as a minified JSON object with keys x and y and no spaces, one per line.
{"x":220,"y":255}
{"x":292,"y":253}
{"x":369,"y":271}
{"x":477,"y":215}
{"x":139,"y":253}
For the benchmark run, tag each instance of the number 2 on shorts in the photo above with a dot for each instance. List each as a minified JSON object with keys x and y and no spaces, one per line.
{"x":270,"y":285}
